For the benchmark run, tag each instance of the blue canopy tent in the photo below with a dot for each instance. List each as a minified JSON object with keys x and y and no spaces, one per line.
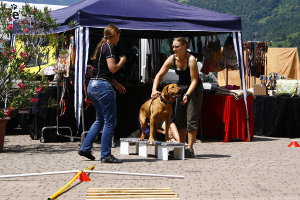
{"x":148,"y":19}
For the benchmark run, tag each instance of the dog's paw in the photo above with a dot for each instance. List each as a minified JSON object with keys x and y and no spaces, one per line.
{"x":151,"y":141}
{"x":142,"y":138}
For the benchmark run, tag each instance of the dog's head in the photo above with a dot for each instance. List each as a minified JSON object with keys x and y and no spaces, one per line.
{"x":170,"y":92}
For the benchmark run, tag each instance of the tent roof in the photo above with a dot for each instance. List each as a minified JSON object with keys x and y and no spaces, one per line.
{"x":151,"y":15}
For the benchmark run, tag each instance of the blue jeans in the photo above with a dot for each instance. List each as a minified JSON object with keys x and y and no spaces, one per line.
{"x":104,"y":97}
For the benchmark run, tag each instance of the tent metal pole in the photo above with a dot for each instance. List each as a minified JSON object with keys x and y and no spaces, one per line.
{"x":82,"y":118}
{"x":90,"y":171}
{"x":227,"y":76}
{"x":134,"y":174}
{"x":237,"y":40}
{"x":38,"y":174}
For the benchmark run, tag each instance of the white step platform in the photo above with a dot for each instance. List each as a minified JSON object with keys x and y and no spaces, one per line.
{"x":161,"y":148}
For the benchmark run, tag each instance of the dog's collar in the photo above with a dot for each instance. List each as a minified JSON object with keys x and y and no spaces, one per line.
{"x":163,"y":100}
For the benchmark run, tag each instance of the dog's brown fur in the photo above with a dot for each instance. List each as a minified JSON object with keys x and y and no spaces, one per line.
{"x":157,"y":111}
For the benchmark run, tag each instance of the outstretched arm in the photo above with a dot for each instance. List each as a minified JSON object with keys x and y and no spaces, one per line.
{"x":159,"y":76}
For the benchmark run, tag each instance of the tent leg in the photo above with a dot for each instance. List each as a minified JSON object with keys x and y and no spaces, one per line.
{"x":226,"y":76}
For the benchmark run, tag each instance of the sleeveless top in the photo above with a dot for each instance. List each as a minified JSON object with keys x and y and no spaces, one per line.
{"x":184,"y":75}
{"x":101,"y":70}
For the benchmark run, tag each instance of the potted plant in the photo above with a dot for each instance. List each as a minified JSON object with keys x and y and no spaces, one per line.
{"x":4,"y":117}
{"x":18,"y":86}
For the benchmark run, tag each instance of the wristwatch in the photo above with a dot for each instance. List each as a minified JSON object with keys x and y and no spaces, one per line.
{"x":187,"y":95}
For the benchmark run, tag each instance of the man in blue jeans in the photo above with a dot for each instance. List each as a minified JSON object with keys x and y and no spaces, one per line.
{"x":101,"y":92}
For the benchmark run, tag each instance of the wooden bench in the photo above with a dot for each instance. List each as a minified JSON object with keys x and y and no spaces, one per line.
{"x":161,"y":148}
{"x":131,"y":193}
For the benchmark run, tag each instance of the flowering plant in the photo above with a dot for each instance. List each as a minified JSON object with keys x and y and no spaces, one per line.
{"x":6,"y":113}
{"x":18,"y":86}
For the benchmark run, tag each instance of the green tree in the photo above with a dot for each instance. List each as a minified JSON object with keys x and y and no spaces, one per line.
{"x":17,"y":85}
{"x":262,"y":20}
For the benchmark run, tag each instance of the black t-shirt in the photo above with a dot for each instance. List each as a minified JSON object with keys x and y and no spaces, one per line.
{"x":101,"y":70}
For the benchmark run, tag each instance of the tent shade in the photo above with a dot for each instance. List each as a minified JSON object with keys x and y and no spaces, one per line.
{"x":146,"y":19}
{"x":154,"y":15}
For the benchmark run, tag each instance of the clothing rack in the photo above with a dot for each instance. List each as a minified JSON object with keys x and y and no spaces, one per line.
{"x":57,"y":127}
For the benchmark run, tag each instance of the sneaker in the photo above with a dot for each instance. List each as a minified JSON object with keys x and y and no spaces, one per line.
{"x":110,"y":159}
{"x":189,"y":153}
{"x":88,"y":155}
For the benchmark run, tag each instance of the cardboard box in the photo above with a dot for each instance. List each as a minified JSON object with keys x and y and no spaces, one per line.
{"x":259,"y":89}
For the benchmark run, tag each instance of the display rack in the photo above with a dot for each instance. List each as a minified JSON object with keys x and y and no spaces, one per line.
{"x":57,"y":127}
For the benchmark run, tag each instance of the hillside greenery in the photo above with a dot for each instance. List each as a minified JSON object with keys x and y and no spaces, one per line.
{"x":276,"y":21}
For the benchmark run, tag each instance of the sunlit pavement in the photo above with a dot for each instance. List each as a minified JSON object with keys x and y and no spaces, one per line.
{"x":265,"y":169}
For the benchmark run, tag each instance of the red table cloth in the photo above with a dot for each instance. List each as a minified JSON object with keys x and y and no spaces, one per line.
{"x":224,"y":117}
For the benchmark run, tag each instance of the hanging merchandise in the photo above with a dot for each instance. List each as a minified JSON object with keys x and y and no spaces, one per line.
{"x":206,"y":57}
{"x":216,"y":53}
{"x":64,"y":97}
{"x":200,"y":50}
{"x":191,"y":41}
{"x":228,"y":55}
{"x":72,"y":51}
{"x":71,"y":56}
{"x":63,"y":62}
{"x":212,"y":55}
{"x":66,"y":58}
{"x":256,"y":57}
{"x":248,"y":57}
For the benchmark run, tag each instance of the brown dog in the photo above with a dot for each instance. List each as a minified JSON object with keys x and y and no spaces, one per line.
{"x":157,"y":111}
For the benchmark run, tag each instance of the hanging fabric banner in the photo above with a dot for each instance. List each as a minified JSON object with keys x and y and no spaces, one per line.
{"x":237,"y":40}
{"x":82,"y":49}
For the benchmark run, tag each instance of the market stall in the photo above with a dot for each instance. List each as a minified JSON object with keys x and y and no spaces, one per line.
{"x":275,"y":106}
{"x":165,"y":19}
{"x":283,"y":61}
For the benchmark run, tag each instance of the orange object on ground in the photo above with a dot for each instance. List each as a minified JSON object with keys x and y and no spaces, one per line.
{"x":294,"y":144}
